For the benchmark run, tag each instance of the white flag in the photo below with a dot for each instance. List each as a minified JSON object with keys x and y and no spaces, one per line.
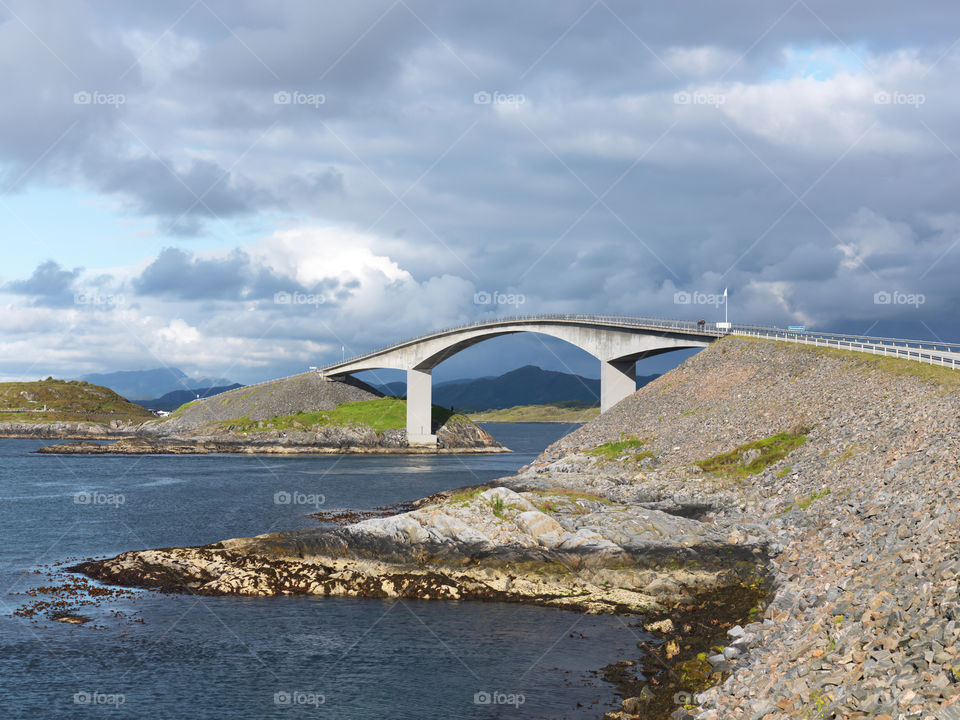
{"x":724,"y":292}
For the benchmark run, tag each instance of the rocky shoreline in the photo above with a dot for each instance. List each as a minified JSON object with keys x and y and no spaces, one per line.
{"x":64,"y":430}
{"x":493,"y":544}
{"x":462,"y":437}
{"x":826,"y":480}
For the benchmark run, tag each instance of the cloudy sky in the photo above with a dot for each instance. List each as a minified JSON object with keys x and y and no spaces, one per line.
{"x":242,"y":188}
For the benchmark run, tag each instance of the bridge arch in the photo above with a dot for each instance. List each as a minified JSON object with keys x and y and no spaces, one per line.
{"x":616,"y":342}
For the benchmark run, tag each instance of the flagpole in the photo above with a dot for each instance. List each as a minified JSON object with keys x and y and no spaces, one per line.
{"x":726,"y":307}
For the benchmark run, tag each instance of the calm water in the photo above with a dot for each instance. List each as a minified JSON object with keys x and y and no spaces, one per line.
{"x":273,"y":657}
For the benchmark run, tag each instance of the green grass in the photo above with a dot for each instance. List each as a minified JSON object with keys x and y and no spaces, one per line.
{"x":183,"y":408}
{"x":464,"y":498}
{"x":614,"y":450}
{"x":786,"y":471}
{"x":70,"y":400}
{"x":572,"y":412}
{"x":772,"y":449}
{"x":556,"y":499}
{"x":898,"y":367}
{"x":572,"y":495}
{"x":804,"y":504}
{"x":381,"y":414}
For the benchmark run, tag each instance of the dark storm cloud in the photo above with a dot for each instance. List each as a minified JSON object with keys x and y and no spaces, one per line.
{"x":49,"y":284}
{"x":204,"y":190}
{"x":177,"y":274}
{"x":600,"y":192}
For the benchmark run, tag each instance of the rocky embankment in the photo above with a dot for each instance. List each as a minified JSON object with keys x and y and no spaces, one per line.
{"x":861,"y":521}
{"x":294,"y":415}
{"x":63,"y":430}
{"x":832,"y":477}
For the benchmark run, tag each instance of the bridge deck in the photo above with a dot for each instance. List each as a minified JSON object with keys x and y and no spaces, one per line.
{"x":937,"y":353}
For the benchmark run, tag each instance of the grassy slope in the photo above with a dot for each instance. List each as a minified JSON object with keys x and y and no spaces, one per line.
{"x":381,"y":414}
{"x":898,"y":367}
{"x":65,"y":400}
{"x":767,"y":451}
{"x":571,"y":412}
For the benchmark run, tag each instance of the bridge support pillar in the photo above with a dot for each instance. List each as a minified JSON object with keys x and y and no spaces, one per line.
{"x":618,"y":379}
{"x":420,"y":408}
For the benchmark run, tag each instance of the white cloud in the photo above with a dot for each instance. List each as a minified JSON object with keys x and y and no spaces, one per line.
{"x":868,"y":234}
{"x":178,"y":332}
{"x":313,"y":254}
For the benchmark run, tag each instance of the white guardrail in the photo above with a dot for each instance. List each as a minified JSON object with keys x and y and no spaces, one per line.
{"x":943,"y":354}
{"x":935,"y":353}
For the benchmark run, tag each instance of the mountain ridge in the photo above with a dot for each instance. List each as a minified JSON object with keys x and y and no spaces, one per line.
{"x":526,"y":385}
{"x":151,"y":384}
{"x":175,"y":398}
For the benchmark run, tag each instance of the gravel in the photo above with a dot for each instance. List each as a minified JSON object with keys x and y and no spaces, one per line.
{"x":865,"y":619}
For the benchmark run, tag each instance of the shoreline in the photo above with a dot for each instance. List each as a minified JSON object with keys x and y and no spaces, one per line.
{"x":92,"y":448}
{"x":688,"y":594}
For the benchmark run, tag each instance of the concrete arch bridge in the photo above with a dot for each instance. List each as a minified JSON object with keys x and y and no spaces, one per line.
{"x":617,"y":342}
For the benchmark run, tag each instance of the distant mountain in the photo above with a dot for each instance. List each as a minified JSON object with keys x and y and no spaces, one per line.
{"x":173,"y":400}
{"x":139,"y":384}
{"x":394,"y":389}
{"x":528,"y":385}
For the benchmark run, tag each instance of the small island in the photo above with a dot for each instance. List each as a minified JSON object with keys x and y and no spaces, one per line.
{"x":301,"y":414}
{"x":66,"y":409}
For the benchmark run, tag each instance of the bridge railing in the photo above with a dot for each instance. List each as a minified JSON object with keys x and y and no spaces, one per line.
{"x":619,"y":320}
{"x":943,"y":354}
{"x":936,"y":353}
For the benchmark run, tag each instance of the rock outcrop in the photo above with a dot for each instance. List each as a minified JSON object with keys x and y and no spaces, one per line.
{"x":553,"y":548}
{"x":68,"y":430}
